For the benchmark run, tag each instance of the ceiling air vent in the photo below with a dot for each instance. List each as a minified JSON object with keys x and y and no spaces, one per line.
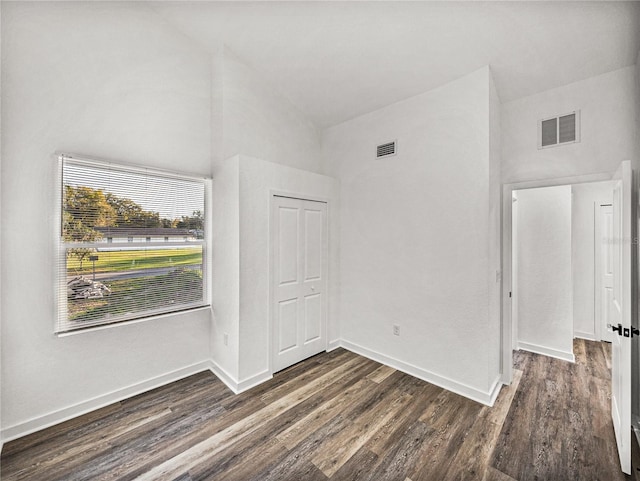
{"x":385,"y":150}
{"x":563,"y":129}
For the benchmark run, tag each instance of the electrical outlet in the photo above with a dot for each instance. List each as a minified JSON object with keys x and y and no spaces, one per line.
{"x":396,"y":330}
{"x":225,"y":339}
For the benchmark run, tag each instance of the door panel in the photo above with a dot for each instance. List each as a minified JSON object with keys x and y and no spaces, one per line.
{"x":299,"y":250}
{"x":620,"y":314}
{"x":288,"y":246}
{"x":313,"y":244}
{"x":288,"y":325}
{"x":312,"y":317}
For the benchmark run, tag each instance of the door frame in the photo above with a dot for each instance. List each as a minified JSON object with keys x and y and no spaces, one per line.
{"x":597,"y":262}
{"x":506,"y":358}
{"x":271,"y":273}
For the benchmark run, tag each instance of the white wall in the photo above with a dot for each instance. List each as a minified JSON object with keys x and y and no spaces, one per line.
{"x":258,"y":179}
{"x":545,"y":306}
{"x":109,"y":80}
{"x":415,"y":235}
{"x":226,"y":270}
{"x":252,"y":121}
{"x":609,"y":129}
{"x":241,"y":285}
{"x":261,"y":123}
{"x":495,"y":238}
{"x":586,"y":199}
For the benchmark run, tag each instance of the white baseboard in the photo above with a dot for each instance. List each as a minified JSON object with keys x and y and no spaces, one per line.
{"x":238,"y":386}
{"x":495,"y":390}
{"x":546,"y":351}
{"x":487,"y":398}
{"x":224,"y":376}
{"x":590,"y":336}
{"x":55,"y":417}
{"x":332,"y":345}
{"x":253,"y":381}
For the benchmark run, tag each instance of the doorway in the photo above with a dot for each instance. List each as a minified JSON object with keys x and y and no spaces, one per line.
{"x":543,"y":283}
{"x":623,"y":296}
{"x":559,"y":235}
{"x":299,"y":260}
{"x":509,"y":334}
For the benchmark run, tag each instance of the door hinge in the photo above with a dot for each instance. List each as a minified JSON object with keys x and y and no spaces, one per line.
{"x":625,"y":331}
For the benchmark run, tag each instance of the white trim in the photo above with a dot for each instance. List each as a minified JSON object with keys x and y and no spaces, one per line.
{"x":254,"y":381}
{"x":128,"y":167}
{"x":224,"y":376}
{"x":333,"y":345}
{"x":590,"y":336}
{"x":292,"y":194}
{"x":234,"y":385}
{"x":546,"y":351}
{"x":486,"y":398}
{"x":495,"y":390}
{"x":60,"y":415}
{"x":128,"y":322}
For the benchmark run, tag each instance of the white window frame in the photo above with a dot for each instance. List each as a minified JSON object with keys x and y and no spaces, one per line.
{"x":60,"y":247}
{"x":558,"y":143}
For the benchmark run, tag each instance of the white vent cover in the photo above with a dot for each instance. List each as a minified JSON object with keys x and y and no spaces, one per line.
{"x":386,"y":150}
{"x":563,"y":129}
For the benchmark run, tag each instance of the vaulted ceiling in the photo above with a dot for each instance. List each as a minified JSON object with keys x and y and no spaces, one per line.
{"x":338,"y":60}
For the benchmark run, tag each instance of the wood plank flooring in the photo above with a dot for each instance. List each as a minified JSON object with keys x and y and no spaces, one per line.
{"x":340,"y":416}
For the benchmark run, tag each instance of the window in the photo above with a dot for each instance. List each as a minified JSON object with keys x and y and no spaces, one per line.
{"x":563,"y":129}
{"x":110,"y":271}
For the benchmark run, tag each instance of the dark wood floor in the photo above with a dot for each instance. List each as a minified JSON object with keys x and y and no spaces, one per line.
{"x":340,"y":416}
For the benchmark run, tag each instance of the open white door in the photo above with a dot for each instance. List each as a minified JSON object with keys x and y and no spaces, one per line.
{"x":620,"y":306}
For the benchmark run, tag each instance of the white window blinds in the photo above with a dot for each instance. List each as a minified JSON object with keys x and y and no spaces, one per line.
{"x":132,"y":243}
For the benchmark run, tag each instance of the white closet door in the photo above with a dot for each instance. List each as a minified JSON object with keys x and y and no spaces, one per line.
{"x":299,"y":266}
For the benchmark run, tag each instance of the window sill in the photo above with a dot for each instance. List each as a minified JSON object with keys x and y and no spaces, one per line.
{"x":130,"y":322}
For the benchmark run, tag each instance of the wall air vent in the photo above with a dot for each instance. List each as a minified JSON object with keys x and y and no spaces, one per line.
{"x":385,"y":150}
{"x":563,"y":129}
